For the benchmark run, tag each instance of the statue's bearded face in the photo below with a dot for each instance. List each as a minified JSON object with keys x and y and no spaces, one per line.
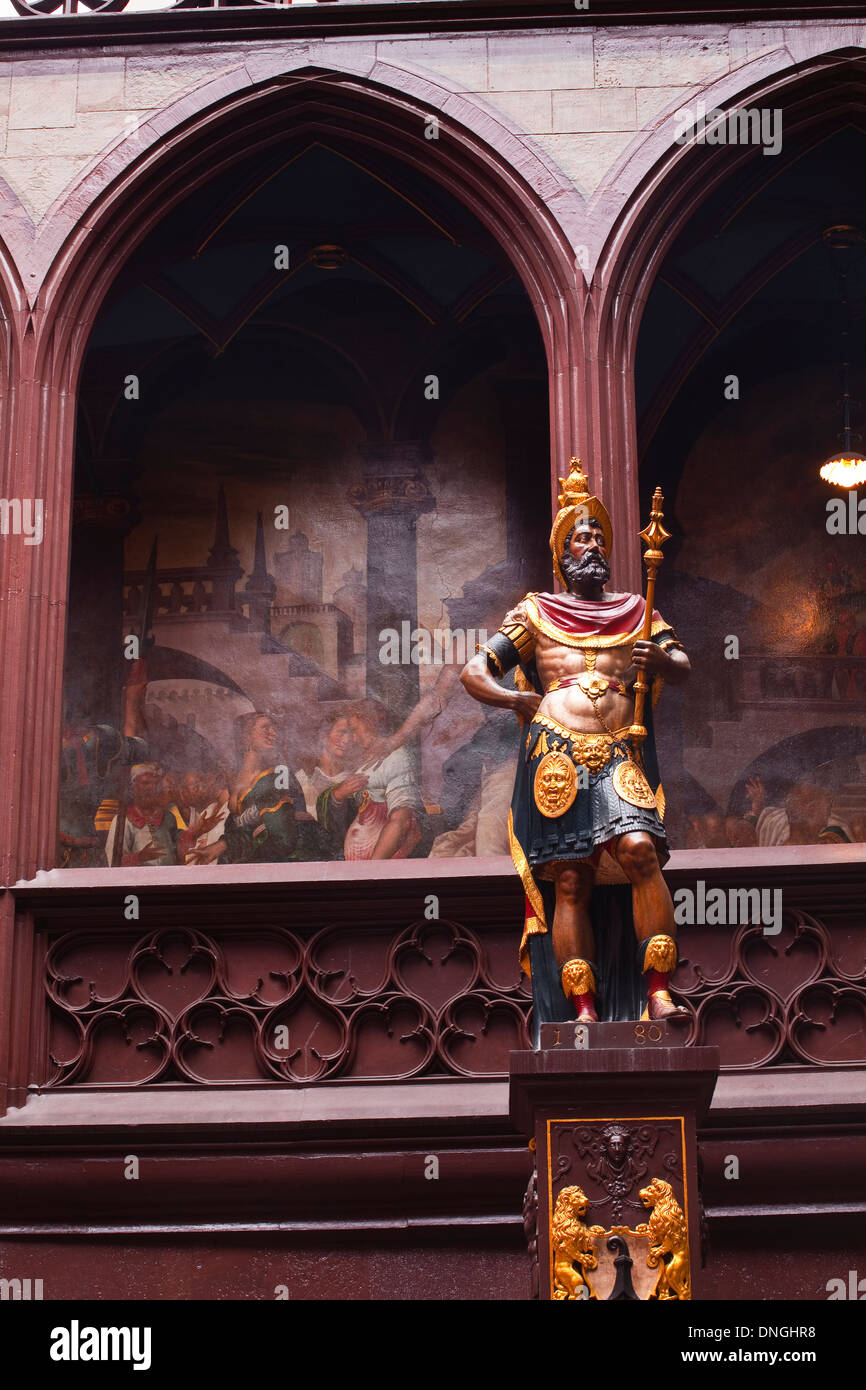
{"x":584,"y":557}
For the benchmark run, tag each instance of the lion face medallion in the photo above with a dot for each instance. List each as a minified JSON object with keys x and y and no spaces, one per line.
{"x":555,"y":784}
{"x":630,"y":785}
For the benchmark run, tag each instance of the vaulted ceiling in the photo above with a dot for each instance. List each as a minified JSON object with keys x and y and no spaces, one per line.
{"x":417,"y":286}
{"x":750,"y":288}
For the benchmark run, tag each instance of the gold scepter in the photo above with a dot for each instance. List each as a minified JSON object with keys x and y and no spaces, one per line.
{"x":654,"y":537}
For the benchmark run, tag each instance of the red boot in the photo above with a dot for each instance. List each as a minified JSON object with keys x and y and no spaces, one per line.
{"x":578,"y":983}
{"x":659,"y":960}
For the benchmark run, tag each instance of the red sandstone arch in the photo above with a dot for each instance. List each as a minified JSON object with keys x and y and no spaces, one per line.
{"x":523,"y":200}
{"x":814,"y":98}
{"x":520,"y":197}
{"x":516,"y":192}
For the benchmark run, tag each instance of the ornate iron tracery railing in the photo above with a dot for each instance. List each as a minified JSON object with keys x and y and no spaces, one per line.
{"x":60,"y":8}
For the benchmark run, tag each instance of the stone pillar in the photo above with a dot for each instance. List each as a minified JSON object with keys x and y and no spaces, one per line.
{"x":392,"y":493}
{"x":615,"y":448}
{"x":36,"y":463}
{"x":524,"y":411}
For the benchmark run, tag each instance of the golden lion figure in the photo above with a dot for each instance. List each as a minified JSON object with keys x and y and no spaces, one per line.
{"x":572,"y":1246}
{"x":668,"y":1241}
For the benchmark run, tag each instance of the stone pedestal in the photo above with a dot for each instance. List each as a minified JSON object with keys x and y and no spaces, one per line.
{"x":612,"y":1111}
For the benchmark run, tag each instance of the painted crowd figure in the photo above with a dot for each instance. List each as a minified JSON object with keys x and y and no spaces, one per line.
{"x":586,"y":822}
{"x":121,"y":806}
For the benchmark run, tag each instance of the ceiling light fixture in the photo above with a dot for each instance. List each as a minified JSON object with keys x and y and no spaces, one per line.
{"x":846,"y":468}
{"x":329,"y":257}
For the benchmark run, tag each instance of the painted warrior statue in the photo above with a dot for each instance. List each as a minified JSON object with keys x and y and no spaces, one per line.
{"x":585,"y":826}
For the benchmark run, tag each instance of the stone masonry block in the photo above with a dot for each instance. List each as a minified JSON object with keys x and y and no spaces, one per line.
{"x":540,"y":62}
{"x":632,"y":59}
{"x":463,"y":60}
{"x":611,"y":108}
{"x":95,"y":130}
{"x":652,"y":101}
{"x":586,"y":158}
{"x":38,"y":182}
{"x":100,"y":84}
{"x":158,"y":78}
{"x":43,"y":94}
{"x":530,"y":111}
{"x":751,"y":42}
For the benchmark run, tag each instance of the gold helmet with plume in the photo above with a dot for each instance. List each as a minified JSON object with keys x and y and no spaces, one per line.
{"x":576,"y":503}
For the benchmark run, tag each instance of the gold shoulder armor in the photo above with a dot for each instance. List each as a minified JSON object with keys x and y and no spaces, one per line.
{"x":517,"y":627}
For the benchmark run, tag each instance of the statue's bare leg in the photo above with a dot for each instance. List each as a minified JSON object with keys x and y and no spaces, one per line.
{"x":654,"y":925}
{"x":652,"y":907}
{"x":573,"y":941}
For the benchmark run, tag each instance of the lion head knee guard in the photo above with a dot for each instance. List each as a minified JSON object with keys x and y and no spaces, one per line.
{"x":578,"y":983}
{"x":657,"y":959}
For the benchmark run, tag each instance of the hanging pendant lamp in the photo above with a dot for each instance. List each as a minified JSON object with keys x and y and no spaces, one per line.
{"x":847,"y":467}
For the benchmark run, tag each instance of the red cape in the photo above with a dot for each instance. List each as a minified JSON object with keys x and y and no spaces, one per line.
{"x":584,"y":618}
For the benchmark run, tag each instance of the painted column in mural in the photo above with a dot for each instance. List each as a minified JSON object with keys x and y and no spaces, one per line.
{"x":224,"y":568}
{"x":392,"y":494}
{"x":95,"y":622}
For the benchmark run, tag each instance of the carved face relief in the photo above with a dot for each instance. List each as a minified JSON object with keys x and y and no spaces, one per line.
{"x":555,"y":784}
{"x":617,"y":1148}
{"x":555,"y":780}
